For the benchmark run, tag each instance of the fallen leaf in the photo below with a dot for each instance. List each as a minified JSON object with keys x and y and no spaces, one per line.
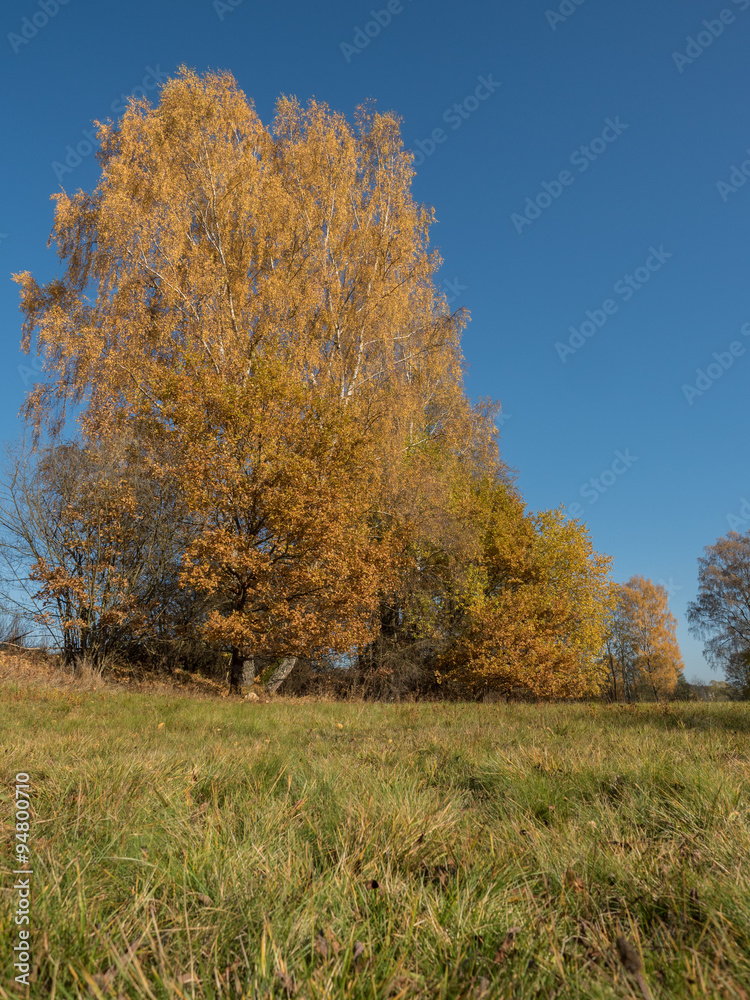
{"x":321,"y":945}
{"x":358,"y":955}
{"x":573,"y":882}
{"x":629,"y":956}
{"x":231,"y":968}
{"x":480,"y":989}
{"x":442,"y":873}
{"x":286,"y":982}
{"x":631,"y":961}
{"x":522,"y":893}
{"x":507,"y":945}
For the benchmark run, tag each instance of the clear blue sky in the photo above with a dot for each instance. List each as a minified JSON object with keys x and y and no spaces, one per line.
{"x":639,"y":233}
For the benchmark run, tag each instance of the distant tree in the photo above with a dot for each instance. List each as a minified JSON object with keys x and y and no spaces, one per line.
{"x":648,"y":626}
{"x":93,"y":541}
{"x":535,"y":607}
{"x":620,"y":653}
{"x":720,"y":614}
{"x":684,"y":690}
{"x":721,"y":691}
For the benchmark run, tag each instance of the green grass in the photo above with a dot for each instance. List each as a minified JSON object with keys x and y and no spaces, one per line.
{"x":206,"y":848}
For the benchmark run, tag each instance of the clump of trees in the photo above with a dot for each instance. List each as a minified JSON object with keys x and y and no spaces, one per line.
{"x":276,"y":458}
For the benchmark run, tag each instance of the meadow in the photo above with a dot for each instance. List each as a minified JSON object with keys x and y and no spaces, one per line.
{"x":188,"y":846}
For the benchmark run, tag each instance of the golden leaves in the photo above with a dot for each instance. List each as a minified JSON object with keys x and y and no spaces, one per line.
{"x":256,"y":306}
{"x":643,"y":635}
{"x":260,"y":302}
{"x":536,"y":607}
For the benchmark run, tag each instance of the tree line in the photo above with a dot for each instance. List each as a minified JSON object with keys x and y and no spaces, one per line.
{"x":275,"y":460}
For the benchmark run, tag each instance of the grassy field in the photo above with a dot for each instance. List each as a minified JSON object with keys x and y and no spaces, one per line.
{"x":198,"y":847}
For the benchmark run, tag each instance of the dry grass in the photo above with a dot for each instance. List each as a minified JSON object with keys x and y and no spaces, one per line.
{"x":191,"y":847}
{"x":47,"y":670}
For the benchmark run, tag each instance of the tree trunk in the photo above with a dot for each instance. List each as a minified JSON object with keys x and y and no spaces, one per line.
{"x":241,"y":671}
{"x":614,"y":675}
{"x":281,"y":673}
{"x":626,"y":682}
{"x":248,"y":672}
{"x":651,"y":679}
{"x":235,"y":671}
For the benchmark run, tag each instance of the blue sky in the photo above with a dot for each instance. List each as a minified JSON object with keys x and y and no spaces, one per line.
{"x":585,"y":161}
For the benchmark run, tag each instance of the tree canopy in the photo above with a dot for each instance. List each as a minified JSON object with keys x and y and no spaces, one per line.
{"x":720,"y":614}
{"x":641,"y":650}
{"x":256,"y":308}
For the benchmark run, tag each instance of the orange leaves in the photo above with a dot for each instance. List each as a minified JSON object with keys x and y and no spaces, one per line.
{"x":213,"y":238}
{"x":91,"y":523}
{"x":256,"y":307}
{"x":644,"y":635}
{"x":280,"y":500}
{"x":258,"y":304}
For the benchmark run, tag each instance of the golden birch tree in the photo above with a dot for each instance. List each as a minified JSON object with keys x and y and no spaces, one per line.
{"x":650,"y":627}
{"x":261,"y":300}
